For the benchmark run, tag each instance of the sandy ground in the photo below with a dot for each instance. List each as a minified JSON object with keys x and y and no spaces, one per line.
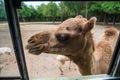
{"x":44,"y":65}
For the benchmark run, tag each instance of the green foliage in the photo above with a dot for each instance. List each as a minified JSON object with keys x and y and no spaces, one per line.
{"x":24,"y":12}
{"x":73,"y":7}
{"x":2,"y":10}
{"x":50,"y":9}
{"x":65,"y":9}
{"x":95,"y":6}
{"x":111,"y":7}
{"x":32,"y":12}
{"x":40,"y":9}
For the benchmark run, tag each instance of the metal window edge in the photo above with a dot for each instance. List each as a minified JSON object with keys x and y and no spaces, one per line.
{"x":89,"y":77}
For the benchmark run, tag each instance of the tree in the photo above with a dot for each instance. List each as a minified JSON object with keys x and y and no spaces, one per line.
{"x":111,"y":8}
{"x":24,"y":13}
{"x":103,"y":10}
{"x":2,"y":10}
{"x":51,"y":10}
{"x":32,"y":12}
{"x":95,"y":9}
{"x":40,"y":9}
{"x":63,"y":10}
{"x":74,"y":7}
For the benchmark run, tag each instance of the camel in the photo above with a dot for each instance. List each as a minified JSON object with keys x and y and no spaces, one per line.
{"x":73,"y":38}
{"x":61,"y":61}
{"x":104,"y":50}
{"x":6,"y":56}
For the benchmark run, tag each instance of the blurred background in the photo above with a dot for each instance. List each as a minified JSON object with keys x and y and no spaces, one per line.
{"x":105,"y":11}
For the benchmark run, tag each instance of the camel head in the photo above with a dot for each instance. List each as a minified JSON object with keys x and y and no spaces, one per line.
{"x":68,"y":39}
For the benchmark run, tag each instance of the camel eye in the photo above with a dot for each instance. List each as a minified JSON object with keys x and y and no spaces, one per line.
{"x":79,"y":29}
{"x":69,"y":28}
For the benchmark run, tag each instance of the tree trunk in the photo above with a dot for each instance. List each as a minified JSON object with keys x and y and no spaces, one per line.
{"x":53,"y":19}
{"x":62,"y":16}
{"x":77,"y":13}
{"x":86,"y":5}
{"x":105,"y":19}
{"x":114,"y":19}
{"x":98,"y":18}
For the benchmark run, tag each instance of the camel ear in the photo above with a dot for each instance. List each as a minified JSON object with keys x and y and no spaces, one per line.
{"x":89,"y":25}
{"x":79,"y":16}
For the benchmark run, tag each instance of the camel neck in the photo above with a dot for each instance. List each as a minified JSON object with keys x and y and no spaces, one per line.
{"x":84,"y":59}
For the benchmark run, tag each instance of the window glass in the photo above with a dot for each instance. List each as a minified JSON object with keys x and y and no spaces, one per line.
{"x":35,"y":17}
{"x":8,"y":64}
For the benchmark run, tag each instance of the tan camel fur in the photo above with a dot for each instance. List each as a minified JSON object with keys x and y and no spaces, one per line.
{"x":73,"y":38}
{"x":61,"y":61}
{"x":103,"y":51}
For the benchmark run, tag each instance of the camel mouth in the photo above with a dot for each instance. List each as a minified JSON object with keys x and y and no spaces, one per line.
{"x":27,"y":47}
{"x":34,"y":52}
{"x":58,"y":48}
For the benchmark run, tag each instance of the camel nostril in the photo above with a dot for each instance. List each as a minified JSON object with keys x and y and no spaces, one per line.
{"x":62,"y":37}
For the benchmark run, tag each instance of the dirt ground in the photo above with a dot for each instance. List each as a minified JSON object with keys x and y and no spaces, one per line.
{"x":40,"y":66}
